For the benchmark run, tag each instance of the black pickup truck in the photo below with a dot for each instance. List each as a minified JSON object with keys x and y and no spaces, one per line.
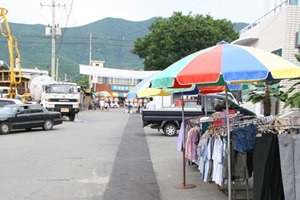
{"x":169,"y":118}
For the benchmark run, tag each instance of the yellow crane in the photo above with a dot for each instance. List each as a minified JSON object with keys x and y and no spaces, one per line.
{"x":14,"y":63}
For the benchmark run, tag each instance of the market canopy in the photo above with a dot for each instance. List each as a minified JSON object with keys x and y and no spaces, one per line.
{"x":103,"y":94}
{"x":226,"y":63}
{"x":144,"y":90}
{"x":119,"y":94}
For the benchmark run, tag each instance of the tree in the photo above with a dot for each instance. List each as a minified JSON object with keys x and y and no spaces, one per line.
{"x":171,"y":39}
{"x":83,"y":81}
{"x":265,"y":97}
{"x":294,"y":100}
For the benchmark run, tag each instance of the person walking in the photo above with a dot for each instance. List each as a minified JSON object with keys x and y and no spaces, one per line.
{"x":151,"y":104}
{"x":101,"y":102}
{"x":106,"y":105}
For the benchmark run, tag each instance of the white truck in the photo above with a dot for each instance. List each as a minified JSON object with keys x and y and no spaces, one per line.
{"x":63,"y":97}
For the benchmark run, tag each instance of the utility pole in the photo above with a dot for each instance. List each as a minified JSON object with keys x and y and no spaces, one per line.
{"x":90,"y":61}
{"x":56,"y":73}
{"x":90,"y":58}
{"x":53,"y":36}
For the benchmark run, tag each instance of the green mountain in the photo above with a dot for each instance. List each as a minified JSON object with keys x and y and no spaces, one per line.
{"x":112,"y":41}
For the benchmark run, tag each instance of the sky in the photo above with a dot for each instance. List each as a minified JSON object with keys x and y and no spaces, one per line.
{"x":72,"y":13}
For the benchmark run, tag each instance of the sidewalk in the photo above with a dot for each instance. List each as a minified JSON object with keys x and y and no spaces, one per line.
{"x":168,"y":167}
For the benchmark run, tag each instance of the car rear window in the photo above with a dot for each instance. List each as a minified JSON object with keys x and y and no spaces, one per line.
{"x":36,"y":109}
{"x":5,"y":102}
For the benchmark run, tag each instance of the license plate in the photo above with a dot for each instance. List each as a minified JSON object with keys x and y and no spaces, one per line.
{"x":64,"y":110}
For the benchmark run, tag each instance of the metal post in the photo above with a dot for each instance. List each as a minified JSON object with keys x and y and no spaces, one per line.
{"x":228,"y":145}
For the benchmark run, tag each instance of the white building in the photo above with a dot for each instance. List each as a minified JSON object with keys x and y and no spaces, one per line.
{"x":116,"y":81}
{"x":277,"y":32}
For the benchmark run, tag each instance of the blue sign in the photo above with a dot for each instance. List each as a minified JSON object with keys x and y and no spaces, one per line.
{"x":120,"y":87}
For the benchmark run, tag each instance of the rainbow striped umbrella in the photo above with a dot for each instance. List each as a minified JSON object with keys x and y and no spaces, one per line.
{"x":226,"y":63}
{"x":103,"y":94}
{"x":144,"y":89}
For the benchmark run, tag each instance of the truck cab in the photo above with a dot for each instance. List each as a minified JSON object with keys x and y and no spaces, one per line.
{"x":208,"y":102}
{"x":169,"y":119}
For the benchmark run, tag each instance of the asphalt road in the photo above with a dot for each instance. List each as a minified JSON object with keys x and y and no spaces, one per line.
{"x":101,"y":155}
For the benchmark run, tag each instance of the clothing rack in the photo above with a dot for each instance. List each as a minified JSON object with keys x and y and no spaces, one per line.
{"x":197,"y":121}
{"x":239,"y":122}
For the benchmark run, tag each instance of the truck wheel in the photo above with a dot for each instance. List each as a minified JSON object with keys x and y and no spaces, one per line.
{"x":48,"y":125}
{"x":170,"y":130}
{"x":4,"y":128}
{"x":72,"y":117}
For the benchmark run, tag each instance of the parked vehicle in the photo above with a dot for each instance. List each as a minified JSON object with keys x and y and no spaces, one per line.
{"x":169,"y":119}
{"x":27,"y":116}
{"x":114,"y":105}
{"x":63,"y":97}
{"x":6,"y":101}
{"x":5,"y":91}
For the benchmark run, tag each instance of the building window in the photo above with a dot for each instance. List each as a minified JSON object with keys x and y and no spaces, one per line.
{"x":104,"y":80}
{"x":123,"y":81}
{"x":293,"y":2}
{"x":136,"y":81}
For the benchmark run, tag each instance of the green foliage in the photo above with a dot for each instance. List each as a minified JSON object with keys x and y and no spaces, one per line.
{"x":171,"y":39}
{"x":272,"y":88}
{"x":294,"y":100}
{"x":297,"y":57}
{"x":83,"y":81}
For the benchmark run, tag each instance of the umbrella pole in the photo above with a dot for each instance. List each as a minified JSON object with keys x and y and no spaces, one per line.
{"x":204,"y":103}
{"x":228,"y":144}
{"x":184,"y":185}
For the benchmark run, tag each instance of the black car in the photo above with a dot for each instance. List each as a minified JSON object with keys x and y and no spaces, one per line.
{"x":27,"y":116}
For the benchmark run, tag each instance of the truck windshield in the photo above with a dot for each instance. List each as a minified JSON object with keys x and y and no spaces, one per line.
{"x":62,"y":88}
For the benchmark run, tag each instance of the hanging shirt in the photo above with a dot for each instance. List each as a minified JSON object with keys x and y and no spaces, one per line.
{"x":244,"y":138}
{"x":218,"y":162}
{"x":191,"y":145}
{"x":180,"y":137}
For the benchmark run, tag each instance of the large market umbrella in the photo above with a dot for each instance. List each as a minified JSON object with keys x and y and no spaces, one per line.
{"x":103,"y":94}
{"x":222,"y":64}
{"x":142,"y":89}
{"x":226,"y":63}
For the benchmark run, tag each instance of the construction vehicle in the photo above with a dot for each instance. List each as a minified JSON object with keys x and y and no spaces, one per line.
{"x":63,"y":97}
{"x":14,"y":63}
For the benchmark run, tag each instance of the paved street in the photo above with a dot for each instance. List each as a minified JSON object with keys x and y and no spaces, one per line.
{"x":102,"y":155}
